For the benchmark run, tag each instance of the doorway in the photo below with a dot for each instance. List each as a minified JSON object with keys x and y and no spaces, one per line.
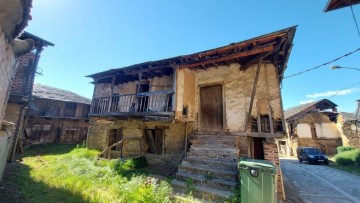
{"x":258,"y":148}
{"x":211,"y":108}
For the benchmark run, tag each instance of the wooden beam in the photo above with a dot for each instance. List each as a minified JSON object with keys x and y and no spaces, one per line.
{"x":253,"y":95}
{"x":233,"y":56}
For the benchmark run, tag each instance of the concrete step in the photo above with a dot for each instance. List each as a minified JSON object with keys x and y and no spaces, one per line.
{"x":201,"y":192}
{"x":210,"y":163}
{"x":218,"y":174}
{"x":207,"y":181}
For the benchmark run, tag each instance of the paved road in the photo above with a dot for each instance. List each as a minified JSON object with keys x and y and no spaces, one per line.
{"x":320,"y":183}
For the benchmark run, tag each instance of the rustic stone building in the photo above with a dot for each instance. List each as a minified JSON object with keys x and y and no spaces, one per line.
{"x":57,"y":116}
{"x":312,"y":125}
{"x":349,"y":127}
{"x":210,"y":107}
{"x":21,"y":88}
{"x":14,"y":16}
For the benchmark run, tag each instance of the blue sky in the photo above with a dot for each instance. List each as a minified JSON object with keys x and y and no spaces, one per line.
{"x":92,"y":36}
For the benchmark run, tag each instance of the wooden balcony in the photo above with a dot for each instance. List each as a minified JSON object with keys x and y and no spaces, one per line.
{"x":140,"y":104}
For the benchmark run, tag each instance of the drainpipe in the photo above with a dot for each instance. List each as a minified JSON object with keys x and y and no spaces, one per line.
{"x":21,"y":115}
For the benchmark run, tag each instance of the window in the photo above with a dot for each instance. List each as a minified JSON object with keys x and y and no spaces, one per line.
{"x":52,"y":111}
{"x":155,"y":140}
{"x":70,"y":109}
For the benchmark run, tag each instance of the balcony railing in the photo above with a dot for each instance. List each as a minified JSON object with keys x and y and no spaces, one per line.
{"x":145,"y":103}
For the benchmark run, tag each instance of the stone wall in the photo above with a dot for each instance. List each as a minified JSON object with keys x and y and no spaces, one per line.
{"x":135,"y":142}
{"x":327,"y":136}
{"x":272,"y":154}
{"x":7,"y":71}
{"x":55,"y":130}
{"x":350,"y":132}
{"x":5,"y":143}
{"x":237,"y":87}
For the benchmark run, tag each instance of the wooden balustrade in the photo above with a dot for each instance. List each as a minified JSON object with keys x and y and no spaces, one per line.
{"x":145,"y":103}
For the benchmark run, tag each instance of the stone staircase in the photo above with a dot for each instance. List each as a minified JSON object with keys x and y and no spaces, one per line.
{"x":209,"y":171}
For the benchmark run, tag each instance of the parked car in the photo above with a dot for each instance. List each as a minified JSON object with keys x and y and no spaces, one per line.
{"x":312,"y":155}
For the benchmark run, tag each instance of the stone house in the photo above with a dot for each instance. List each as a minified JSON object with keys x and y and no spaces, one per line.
{"x":311,"y":125}
{"x":20,"y":96}
{"x":349,"y":127}
{"x":14,"y":16}
{"x":57,"y":116}
{"x":184,"y":112}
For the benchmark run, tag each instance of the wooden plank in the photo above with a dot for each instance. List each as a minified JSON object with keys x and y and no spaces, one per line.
{"x":253,"y":96}
{"x":151,"y":141}
{"x":211,"y":108}
{"x":256,"y":134}
{"x":233,"y":56}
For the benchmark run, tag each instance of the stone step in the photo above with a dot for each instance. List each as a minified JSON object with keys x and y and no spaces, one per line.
{"x":219,"y":155}
{"x":211,"y":163}
{"x":201,"y":192}
{"x":207,"y":181}
{"x":212,"y":157}
{"x":213,"y":149}
{"x":218,"y":174}
{"x":222,"y":143}
{"x":214,"y":137}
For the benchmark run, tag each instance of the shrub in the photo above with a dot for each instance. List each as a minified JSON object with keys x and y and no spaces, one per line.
{"x":342,"y":149}
{"x":347,"y":158}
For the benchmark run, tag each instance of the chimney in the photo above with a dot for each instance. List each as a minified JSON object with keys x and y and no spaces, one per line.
{"x":357,"y":111}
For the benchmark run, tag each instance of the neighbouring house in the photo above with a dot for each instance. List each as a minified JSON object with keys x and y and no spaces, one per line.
{"x":57,"y":116}
{"x":14,"y":16}
{"x":349,"y":127}
{"x":197,"y":113}
{"x":21,"y":89}
{"x":338,"y":4}
{"x":311,"y":125}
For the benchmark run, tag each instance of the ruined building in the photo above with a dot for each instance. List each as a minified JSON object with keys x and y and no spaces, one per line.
{"x":57,"y":116}
{"x":197,"y":113}
{"x":312,"y":125}
{"x":349,"y":127}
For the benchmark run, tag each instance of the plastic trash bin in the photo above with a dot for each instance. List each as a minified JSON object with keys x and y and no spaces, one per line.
{"x":258,"y":181}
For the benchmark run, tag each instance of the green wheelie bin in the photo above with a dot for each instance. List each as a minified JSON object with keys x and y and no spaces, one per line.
{"x":258,"y":181}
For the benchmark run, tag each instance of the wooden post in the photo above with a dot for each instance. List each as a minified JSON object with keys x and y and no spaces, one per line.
{"x":271,"y":123}
{"x":174,"y":89}
{"x":253,"y":94}
{"x":111,"y":95}
{"x":186,"y":134}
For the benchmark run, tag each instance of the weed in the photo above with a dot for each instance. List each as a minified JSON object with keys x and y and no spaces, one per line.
{"x":190,"y":186}
{"x":341,"y":149}
{"x":209,"y":176}
{"x":348,"y":158}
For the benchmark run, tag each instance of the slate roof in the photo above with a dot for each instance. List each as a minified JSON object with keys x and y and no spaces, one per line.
{"x":47,"y":92}
{"x":348,"y":116}
{"x":300,"y":110}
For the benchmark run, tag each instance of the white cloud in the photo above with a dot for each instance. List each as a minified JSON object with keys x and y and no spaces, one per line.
{"x":330,"y":93}
{"x":307,"y":101}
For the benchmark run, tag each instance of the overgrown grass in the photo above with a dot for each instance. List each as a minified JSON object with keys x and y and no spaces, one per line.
{"x":63,"y":173}
{"x":347,"y":159}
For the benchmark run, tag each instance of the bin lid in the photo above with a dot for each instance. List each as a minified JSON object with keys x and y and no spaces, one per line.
{"x":256,"y":163}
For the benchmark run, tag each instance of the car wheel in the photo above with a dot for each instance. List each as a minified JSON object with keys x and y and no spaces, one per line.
{"x":326,"y":162}
{"x":300,"y":160}
{"x":309,"y":162}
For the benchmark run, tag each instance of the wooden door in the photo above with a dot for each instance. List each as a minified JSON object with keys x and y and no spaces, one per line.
{"x":211,"y":108}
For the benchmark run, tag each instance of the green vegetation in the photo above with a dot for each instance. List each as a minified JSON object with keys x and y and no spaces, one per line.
{"x":65,"y":173}
{"x":347,"y":159}
{"x":341,"y":149}
{"x":190,"y":186}
{"x":209,"y":176}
